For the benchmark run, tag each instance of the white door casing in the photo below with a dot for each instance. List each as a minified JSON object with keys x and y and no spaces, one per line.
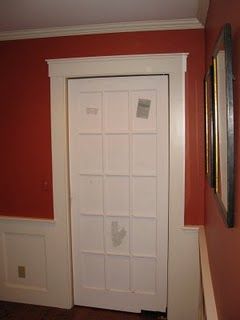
{"x":183,"y":266}
{"x":119,"y":190}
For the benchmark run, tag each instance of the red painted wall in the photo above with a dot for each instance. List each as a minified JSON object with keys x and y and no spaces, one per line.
{"x":25,"y":113}
{"x":224,"y":243}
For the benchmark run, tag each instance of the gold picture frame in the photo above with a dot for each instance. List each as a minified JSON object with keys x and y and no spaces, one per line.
{"x":209,"y":128}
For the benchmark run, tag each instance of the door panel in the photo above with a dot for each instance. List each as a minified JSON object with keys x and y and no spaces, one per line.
{"x":118,"y":133}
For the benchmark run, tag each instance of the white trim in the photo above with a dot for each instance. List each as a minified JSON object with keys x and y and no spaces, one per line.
{"x":183,"y":269}
{"x":139,"y":64}
{"x":207,"y":285}
{"x":21,"y":219}
{"x":152,"y":25}
{"x":190,"y":228}
{"x":15,"y":286}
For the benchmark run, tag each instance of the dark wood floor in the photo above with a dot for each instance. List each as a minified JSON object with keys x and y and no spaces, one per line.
{"x":18,"y":311}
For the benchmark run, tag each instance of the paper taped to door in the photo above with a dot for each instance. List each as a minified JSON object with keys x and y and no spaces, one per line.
{"x":91,"y":110}
{"x":143,"y":108}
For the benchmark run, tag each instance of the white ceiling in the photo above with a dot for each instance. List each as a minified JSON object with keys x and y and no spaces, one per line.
{"x":28,"y":15}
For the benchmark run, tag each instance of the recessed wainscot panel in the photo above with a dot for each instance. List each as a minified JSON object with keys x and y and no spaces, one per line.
{"x":25,"y":260}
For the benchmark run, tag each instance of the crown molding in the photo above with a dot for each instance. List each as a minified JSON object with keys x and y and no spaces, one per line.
{"x":152,"y":25}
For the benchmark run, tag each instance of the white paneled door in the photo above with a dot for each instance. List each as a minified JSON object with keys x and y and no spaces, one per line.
{"x":119,"y":171}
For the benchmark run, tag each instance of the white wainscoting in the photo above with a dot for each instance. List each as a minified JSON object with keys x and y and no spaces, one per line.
{"x":184,"y":275}
{"x":208,"y":310}
{"x":40,"y":246}
{"x":27,"y":251}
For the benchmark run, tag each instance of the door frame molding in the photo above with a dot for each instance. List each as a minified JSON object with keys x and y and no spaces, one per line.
{"x":175,"y":66}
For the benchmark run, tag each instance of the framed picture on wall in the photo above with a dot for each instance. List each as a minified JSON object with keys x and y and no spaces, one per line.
{"x":209,"y":128}
{"x":224,"y":124}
